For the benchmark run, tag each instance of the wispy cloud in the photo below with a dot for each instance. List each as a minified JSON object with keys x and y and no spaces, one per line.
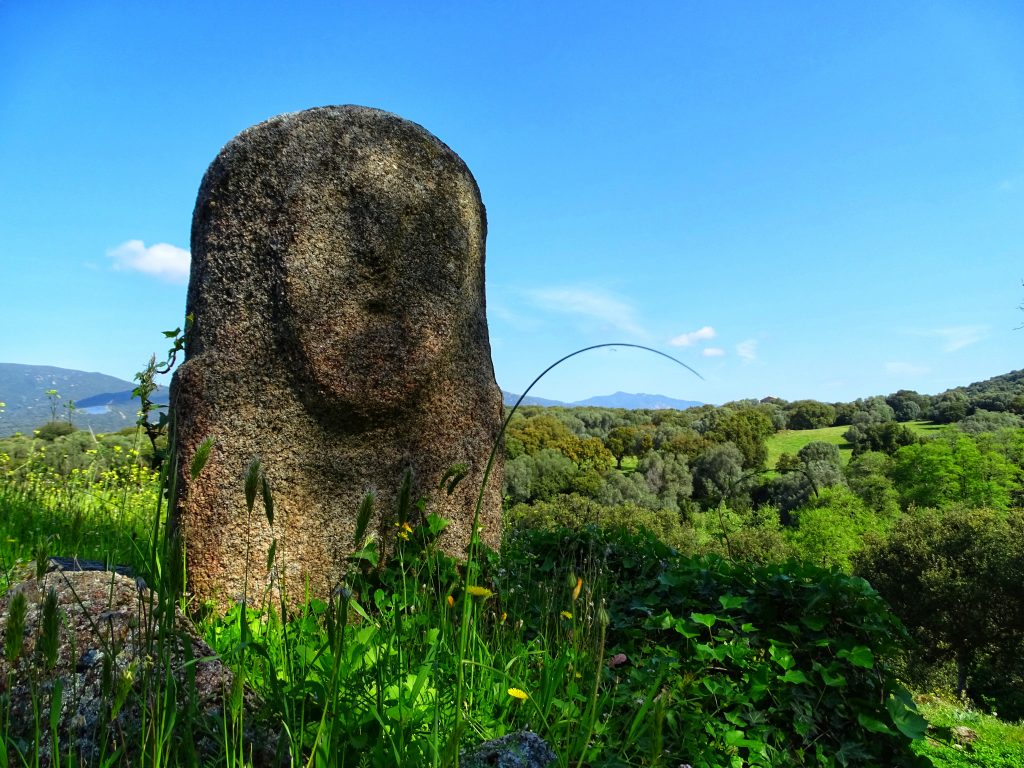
{"x":517,"y":321}
{"x":905,"y":369}
{"x":162,"y":260}
{"x":747,"y":349}
{"x":955,"y":337}
{"x":713,"y":352}
{"x":589,"y":304}
{"x":688,"y":339}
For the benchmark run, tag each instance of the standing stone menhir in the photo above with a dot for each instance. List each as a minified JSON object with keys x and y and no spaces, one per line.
{"x":339,"y":335}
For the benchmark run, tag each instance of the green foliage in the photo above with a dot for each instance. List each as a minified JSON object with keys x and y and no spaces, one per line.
{"x":885,"y":436}
{"x":765,"y":666}
{"x":718,"y":473}
{"x":577,"y":512}
{"x":832,"y":528}
{"x":868,"y":477}
{"x":949,"y":407}
{"x":954,"y":577}
{"x":54,"y":429}
{"x":747,"y":429}
{"x":954,"y":468}
{"x":809,"y":414}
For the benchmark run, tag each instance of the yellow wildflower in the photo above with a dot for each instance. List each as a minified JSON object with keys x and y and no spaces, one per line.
{"x":576,"y":590}
{"x":481,"y":592}
{"x":518,"y":693}
{"x":566,"y":615}
{"x":451,"y":601}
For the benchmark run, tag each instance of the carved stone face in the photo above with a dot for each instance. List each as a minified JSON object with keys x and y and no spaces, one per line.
{"x":381,"y":268}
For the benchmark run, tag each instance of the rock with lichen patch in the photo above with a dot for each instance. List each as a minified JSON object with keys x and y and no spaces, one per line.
{"x":520,"y":749}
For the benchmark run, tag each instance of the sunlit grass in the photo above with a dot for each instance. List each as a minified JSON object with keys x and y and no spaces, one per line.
{"x":792,"y":440}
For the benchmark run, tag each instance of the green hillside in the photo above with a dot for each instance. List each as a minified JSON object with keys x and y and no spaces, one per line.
{"x":23,"y":388}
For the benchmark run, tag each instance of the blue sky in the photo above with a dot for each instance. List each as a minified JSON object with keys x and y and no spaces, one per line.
{"x":801,"y":199}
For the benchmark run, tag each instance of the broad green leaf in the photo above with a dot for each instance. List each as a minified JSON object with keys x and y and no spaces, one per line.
{"x":909,"y":722}
{"x":817,"y":623}
{"x":872,"y":724}
{"x":707,"y":619}
{"x":860,"y":656}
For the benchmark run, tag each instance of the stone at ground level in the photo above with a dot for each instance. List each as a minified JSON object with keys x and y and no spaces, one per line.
{"x":520,"y":749}
{"x":110,"y":663}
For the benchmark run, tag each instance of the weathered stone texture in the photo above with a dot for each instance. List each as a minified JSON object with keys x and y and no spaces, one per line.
{"x":340,"y":336}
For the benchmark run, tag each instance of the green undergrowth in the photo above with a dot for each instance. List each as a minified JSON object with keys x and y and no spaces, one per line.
{"x":106,"y":522}
{"x":609,"y":644}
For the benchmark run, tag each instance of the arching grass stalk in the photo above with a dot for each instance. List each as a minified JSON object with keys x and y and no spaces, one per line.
{"x":474,"y":536}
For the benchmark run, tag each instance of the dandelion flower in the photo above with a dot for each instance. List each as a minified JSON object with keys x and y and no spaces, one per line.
{"x":451,"y":601}
{"x":518,"y":693}
{"x":566,"y":615}
{"x":481,"y":592}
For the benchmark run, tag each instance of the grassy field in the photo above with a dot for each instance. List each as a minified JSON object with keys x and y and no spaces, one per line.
{"x":962,"y":738}
{"x":792,"y":440}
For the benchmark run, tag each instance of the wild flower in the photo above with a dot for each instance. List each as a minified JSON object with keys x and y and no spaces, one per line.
{"x":451,"y":601}
{"x":477,"y":591}
{"x":566,"y":615}
{"x":518,"y":693}
{"x":576,"y":590}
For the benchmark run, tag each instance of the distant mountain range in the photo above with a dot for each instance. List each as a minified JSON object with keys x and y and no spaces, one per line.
{"x":618,"y":400}
{"x":105,"y":403}
{"x":102,"y":403}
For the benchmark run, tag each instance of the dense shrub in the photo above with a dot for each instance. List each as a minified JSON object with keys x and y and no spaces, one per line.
{"x":728,"y":664}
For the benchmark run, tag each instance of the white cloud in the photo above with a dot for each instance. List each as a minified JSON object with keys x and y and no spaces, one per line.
{"x":590,"y":304}
{"x":713,"y":352}
{"x":955,"y":337}
{"x":688,"y":339}
{"x":747,"y":349}
{"x":168,"y":262}
{"x":905,"y":369}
